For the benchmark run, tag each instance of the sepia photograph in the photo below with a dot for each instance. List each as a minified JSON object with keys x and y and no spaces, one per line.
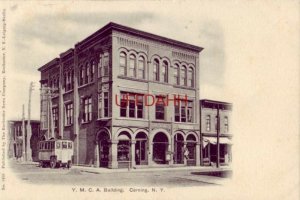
{"x":150,"y":100}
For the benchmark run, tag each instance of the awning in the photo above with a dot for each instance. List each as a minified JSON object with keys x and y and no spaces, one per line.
{"x":213,"y":140}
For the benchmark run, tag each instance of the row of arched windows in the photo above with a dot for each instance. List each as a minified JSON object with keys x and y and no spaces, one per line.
{"x":135,"y":66}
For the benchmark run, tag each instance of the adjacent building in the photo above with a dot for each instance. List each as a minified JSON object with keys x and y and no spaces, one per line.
{"x":108,"y":94}
{"x":216,"y":121}
{"x":17,"y":139}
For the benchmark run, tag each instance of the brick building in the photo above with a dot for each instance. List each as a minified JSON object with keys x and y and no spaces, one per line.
{"x":16,"y":138}
{"x":94,"y":93}
{"x":216,"y":117}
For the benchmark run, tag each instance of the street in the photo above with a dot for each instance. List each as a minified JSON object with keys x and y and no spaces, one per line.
{"x":32,"y":173}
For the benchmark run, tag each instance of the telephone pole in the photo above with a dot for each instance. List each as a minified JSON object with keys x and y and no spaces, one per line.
{"x":218,"y":137}
{"x":28,"y":148}
{"x":23,"y":133}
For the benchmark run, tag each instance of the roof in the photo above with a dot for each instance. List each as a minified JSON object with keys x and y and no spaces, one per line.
{"x":108,"y":28}
{"x":215,"y":104}
{"x":114,"y":26}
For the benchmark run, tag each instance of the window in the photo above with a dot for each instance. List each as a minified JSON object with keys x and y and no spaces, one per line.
{"x":87,"y":74}
{"x":105,"y":64}
{"x":176,"y":74}
{"x":132,"y":68}
{"x":183,"y":111}
{"x":191,"y":77}
{"x":207,"y":122}
{"x":124,"y":150}
{"x":82,"y":75}
{"x":92,"y":71}
{"x":106,"y":104}
{"x":226,"y":125}
{"x":164,"y":72}
{"x":183,"y":75}
{"x":87,"y":109}
{"x":160,"y":108}
{"x":156,"y":70}
{"x":69,"y":114}
{"x":55,"y":116}
{"x":216,"y":123}
{"x":140,"y":107}
{"x":68,"y":80}
{"x":141,"y":68}
{"x":99,"y":105}
{"x":100,"y":66}
{"x":132,"y":105}
{"x":123,"y":68}
{"x":64,"y":145}
{"x":189,"y":111}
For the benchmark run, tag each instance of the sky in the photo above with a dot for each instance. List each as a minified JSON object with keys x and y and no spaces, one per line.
{"x":38,"y":36}
{"x":250,"y":58}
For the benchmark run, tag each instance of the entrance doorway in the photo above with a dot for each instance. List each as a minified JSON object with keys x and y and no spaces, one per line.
{"x":141,"y":149}
{"x":191,"y":146}
{"x":103,"y":149}
{"x":178,"y":149}
{"x":160,"y":147}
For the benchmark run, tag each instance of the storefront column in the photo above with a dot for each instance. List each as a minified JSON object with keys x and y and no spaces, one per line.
{"x":184,"y":157}
{"x":113,"y":154}
{"x":171,"y":162}
{"x":133,"y":142}
{"x":150,"y":154}
{"x":198,"y":154}
{"x":96,"y":159}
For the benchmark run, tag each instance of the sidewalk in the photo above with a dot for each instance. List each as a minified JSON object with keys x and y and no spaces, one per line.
{"x":149,"y":169}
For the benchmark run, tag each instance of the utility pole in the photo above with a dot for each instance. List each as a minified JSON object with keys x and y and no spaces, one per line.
{"x":218,"y":137}
{"x":28,"y":149}
{"x":23,"y":133}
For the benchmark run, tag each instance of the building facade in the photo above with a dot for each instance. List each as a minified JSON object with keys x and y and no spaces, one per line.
{"x":17,"y":140}
{"x":109,"y":95}
{"x":216,"y":121}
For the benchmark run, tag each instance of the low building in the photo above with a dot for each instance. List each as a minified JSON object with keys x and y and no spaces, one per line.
{"x":17,"y":139}
{"x":215,"y":120}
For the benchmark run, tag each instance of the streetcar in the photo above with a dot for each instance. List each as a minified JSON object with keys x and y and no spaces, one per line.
{"x":56,"y":153}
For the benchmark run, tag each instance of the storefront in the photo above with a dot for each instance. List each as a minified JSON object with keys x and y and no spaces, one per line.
{"x":178,"y":149}
{"x":124,"y":150}
{"x":210,"y":150}
{"x":160,"y":147}
{"x":191,"y":148}
{"x":141,"y":148}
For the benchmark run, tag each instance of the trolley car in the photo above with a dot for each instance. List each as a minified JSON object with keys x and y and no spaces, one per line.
{"x":55,"y":152}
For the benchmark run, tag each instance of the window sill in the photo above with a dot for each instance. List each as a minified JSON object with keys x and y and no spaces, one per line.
{"x":132,"y":119}
{"x":86,"y":122}
{"x":103,"y":118}
{"x":69,"y":125}
{"x":69,"y":91}
{"x":132,"y":78}
{"x":85,"y":85}
{"x":184,"y":87}
{"x":189,"y":123}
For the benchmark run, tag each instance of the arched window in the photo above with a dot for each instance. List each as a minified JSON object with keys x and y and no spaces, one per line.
{"x":191,"y":77}
{"x":183,"y":75}
{"x":176,"y":74}
{"x":123,"y":68}
{"x":82,"y":75}
{"x":141,"y":68}
{"x":164,"y":72}
{"x":132,"y":68}
{"x":156,"y":70}
{"x":87,"y":74}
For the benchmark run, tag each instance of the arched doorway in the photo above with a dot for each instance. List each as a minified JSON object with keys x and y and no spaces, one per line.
{"x":124,"y":155}
{"x":191,"y":147}
{"x":160,"y":147}
{"x":104,"y":145}
{"x":141,"y":147}
{"x":178,"y":149}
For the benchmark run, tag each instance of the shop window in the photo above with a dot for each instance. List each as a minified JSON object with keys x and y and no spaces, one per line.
{"x":124,"y":150}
